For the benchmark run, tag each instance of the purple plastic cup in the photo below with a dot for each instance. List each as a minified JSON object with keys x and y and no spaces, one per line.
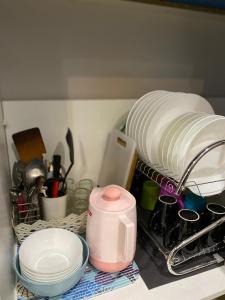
{"x":168,"y":188}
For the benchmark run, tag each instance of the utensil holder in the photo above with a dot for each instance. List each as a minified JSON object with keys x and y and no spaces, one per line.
{"x":53,"y":207}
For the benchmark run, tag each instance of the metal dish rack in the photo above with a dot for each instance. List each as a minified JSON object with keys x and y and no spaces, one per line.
{"x":175,"y":260}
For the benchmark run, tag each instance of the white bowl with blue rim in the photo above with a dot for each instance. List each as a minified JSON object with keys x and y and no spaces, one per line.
{"x":51,"y":289}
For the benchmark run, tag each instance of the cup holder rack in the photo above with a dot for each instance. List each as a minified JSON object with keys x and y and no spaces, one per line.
{"x":177,"y":264}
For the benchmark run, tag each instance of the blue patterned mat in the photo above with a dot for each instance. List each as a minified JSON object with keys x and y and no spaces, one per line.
{"x":93,"y":283}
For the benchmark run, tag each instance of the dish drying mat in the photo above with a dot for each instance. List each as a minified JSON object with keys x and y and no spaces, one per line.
{"x":152,"y":264}
{"x":92,"y":284}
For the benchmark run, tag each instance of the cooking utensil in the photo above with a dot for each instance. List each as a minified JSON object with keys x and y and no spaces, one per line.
{"x":32,"y":171}
{"x":62,"y":171}
{"x":17,"y":173}
{"x":56,"y":166}
{"x":32,"y":201}
{"x":119,"y":160}
{"x":69,"y":140}
{"x":29,"y":144}
{"x":21,"y":205}
{"x":55,"y":188}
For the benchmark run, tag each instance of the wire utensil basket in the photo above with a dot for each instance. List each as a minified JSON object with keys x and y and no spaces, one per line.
{"x":26,"y":217}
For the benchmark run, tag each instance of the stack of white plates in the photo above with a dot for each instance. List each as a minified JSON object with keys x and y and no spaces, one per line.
{"x":170,"y":129}
{"x":50,"y":255}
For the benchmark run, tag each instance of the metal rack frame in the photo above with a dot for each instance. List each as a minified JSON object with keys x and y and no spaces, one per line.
{"x":26,"y":212}
{"x":178,"y":187}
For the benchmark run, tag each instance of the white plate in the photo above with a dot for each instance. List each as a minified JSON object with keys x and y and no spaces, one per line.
{"x":175,"y":106}
{"x":132,"y":111}
{"x":185,"y":138}
{"x":183,"y":126}
{"x":51,"y":251}
{"x":155,"y":122}
{"x":176,"y":150}
{"x":132,"y":122}
{"x":146,"y":109}
{"x":211,"y":167}
{"x":198,"y":189}
{"x":147,"y":123}
{"x":167,"y":137}
{"x":146,"y":120}
{"x":136,"y":115}
{"x":164,"y":169}
{"x":149,"y":126}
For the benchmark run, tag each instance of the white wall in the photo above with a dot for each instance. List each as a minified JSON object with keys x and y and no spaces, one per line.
{"x":61,"y":49}
{"x":7,"y":288}
{"x":90,"y":122}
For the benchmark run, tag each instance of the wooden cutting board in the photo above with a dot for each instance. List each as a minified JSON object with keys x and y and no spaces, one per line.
{"x":29,"y":144}
{"x":119,"y":160}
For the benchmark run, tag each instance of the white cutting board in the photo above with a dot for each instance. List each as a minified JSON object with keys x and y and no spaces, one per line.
{"x":118,"y":159}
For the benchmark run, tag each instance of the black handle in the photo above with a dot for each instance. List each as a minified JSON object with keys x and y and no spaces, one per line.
{"x":69,"y":139}
{"x":56,"y":166}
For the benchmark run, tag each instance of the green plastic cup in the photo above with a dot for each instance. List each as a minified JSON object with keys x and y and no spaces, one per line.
{"x":149,"y":195}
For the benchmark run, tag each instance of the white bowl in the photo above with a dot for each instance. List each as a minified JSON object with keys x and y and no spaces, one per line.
{"x":51,"y":251}
{"x":29,"y":272}
{"x":25,"y":269}
{"x":42,"y":278}
{"x":51,"y":289}
{"x":47,"y":277}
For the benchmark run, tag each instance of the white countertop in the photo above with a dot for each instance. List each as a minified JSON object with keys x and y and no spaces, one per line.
{"x":204,"y":286}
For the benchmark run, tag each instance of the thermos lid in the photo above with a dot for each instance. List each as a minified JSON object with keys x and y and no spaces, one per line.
{"x":112,"y":198}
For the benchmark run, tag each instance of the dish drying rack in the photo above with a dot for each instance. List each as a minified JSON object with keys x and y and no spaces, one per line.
{"x":175,"y":261}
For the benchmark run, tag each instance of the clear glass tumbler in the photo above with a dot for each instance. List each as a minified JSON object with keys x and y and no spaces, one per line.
{"x":80,"y":200}
{"x":86,"y":183}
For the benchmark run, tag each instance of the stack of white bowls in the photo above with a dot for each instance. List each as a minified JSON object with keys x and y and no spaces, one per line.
{"x":170,"y":129}
{"x":50,"y":255}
